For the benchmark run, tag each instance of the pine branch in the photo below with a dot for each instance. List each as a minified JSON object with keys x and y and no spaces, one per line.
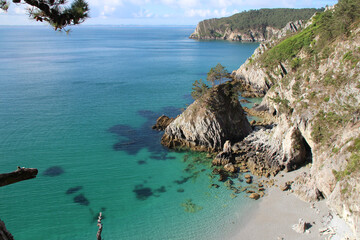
{"x":20,"y":174}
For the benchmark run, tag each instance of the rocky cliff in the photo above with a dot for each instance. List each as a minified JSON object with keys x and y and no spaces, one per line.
{"x":249,"y":35}
{"x":206,"y":124}
{"x":253,"y":26}
{"x":311,"y":83}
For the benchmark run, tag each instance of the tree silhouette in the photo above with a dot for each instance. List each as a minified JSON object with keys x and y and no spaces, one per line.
{"x":55,"y":12}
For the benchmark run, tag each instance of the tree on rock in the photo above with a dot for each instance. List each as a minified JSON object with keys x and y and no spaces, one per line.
{"x":199,"y":89}
{"x":55,"y":12}
{"x":217,"y":74}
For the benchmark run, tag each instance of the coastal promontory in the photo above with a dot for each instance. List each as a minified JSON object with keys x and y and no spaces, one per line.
{"x":254,"y":26}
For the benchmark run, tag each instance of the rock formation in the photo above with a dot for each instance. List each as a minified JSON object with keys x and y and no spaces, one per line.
{"x":314,"y":95}
{"x":211,"y":120}
{"x":225,"y":157}
{"x":162,"y":122}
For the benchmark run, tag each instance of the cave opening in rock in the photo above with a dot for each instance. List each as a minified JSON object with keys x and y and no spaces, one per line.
{"x":308,"y":153}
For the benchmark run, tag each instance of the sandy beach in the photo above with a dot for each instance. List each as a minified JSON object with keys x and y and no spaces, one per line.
{"x":278,"y":211}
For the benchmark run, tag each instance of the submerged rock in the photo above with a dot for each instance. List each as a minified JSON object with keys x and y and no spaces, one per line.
{"x":82,"y":200}
{"x":74,"y":189}
{"x":53,"y":171}
{"x":191,"y":207}
{"x":206,"y":124}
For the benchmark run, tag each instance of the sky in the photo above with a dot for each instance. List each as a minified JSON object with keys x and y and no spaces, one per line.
{"x":162,"y":12}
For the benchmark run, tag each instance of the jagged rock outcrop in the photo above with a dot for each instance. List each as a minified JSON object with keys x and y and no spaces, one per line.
{"x":268,"y":151}
{"x":211,"y":120}
{"x":162,"y":122}
{"x":225,"y":157}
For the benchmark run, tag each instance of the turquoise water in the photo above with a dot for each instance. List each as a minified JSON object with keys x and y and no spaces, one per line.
{"x":80,"y":107}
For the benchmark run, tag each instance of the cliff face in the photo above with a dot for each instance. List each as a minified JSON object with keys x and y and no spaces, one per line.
{"x":206,"y":124}
{"x":207,"y":30}
{"x":311,"y":83}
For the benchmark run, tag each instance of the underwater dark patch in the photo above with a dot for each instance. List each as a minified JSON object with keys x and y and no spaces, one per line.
{"x":182,"y":180}
{"x":161,"y":189}
{"x":74,"y":189}
{"x":162,"y":157}
{"x":82,"y":200}
{"x":142,"y":193}
{"x":132,"y":140}
{"x":141,"y":162}
{"x":53,"y":171}
{"x":180,"y":190}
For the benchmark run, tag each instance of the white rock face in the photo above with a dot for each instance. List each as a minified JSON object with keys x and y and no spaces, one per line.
{"x":209,"y":122}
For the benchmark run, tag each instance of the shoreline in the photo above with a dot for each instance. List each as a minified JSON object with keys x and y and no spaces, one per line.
{"x":278,"y":211}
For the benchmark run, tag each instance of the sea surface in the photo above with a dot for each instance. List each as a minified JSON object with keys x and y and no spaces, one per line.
{"x":80,"y":107}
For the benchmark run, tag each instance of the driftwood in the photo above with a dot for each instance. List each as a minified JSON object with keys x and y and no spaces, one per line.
{"x":98,"y":235}
{"x":20,"y":174}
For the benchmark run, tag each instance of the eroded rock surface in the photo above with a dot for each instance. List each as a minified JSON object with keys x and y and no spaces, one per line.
{"x":207,"y":123}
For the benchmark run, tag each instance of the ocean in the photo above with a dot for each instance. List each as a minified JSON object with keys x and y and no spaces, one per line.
{"x":80,"y":107}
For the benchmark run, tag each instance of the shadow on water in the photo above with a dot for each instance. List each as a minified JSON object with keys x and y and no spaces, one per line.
{"x":53,"y":171}
{"x":144,"y":136}
{"x":81,"y":199}
{"x":74,"y":189}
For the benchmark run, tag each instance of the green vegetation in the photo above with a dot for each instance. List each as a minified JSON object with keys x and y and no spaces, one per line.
{"x":256,"y":19}
{"x":217,"y":74}
{"x":352,"y":57}
{"x":353,"y":164}
{"x":295,"y":63}
{"x":283,"y":104}
{"x":199,"y":89}
{"x":325,"y":124}
{"x":328,"y":25}
{"x":296,"y":88}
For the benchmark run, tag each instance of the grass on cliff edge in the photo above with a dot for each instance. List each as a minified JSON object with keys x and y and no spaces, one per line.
{"x":353,"y":164}
{"x":328,"y":25}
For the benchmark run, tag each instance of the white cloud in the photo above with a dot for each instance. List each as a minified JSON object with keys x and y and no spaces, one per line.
{"x":143,"y":14}
{"x":207,"y":13}
{"x":107,"y":10}
{"x":198,"y":13}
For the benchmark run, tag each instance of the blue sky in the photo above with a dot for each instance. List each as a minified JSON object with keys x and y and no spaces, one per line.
{"x":163,"y":12}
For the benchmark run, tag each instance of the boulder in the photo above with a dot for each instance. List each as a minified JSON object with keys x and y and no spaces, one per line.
{"x":230,"y":168}
{"x":207,"y":123}
{"x":225,"y":157}
{"x":254,"y":196}
{"x":162,"y":122}
{"x":300,"y":227}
